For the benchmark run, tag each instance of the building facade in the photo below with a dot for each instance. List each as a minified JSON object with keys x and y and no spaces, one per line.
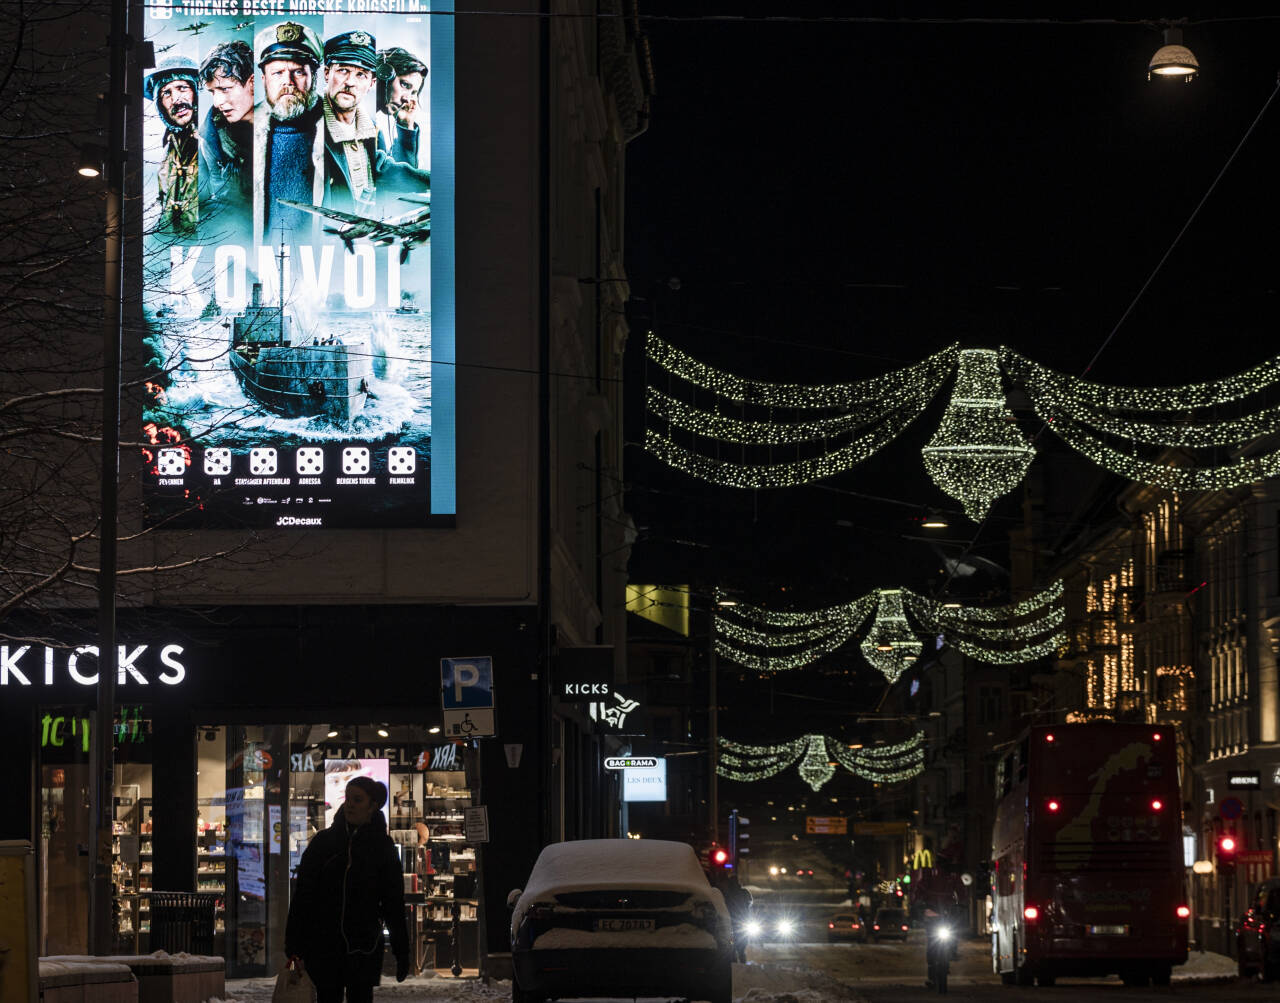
{"x":256,"y":661}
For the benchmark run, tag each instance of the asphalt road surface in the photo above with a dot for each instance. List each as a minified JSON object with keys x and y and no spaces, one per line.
{"x":896,"y":971}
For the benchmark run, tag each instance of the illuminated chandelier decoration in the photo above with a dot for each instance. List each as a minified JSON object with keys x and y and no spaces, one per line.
{"x":756,"y":434}
{"x":772,"y":641}
{"x":879,"y":764}
{"x":891,"y":645}
{"x":978,"y":454}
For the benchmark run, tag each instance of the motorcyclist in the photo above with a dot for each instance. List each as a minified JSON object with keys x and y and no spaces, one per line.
{"x":939,"y":933}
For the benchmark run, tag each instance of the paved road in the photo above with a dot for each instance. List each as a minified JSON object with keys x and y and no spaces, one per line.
{"x":894,"y":971}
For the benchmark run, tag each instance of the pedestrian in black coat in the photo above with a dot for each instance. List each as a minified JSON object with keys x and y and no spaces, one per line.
{"x":349,"y":885}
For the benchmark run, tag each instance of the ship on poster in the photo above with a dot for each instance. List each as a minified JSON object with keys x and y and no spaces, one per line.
{"x":287,"y":279}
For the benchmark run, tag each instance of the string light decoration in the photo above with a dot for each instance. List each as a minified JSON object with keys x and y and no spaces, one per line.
{"x":775,"y":641}
{"x":871,"y":413}
{"x":788,"y":640}
{"x":883,"y":763}
{"x":880,"y":764}
{"x":978,"y":453}
{"x":891,"y":645}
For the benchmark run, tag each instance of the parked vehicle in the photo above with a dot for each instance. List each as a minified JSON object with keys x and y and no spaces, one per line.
{"x":620,"y":917}
{"x":1258,"y":937}
{"x":846,"y":926}
{"x":1087,"y":857}
{"x":889,"y":923}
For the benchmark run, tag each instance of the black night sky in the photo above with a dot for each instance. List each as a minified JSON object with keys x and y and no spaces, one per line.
{"x":839,"y":198}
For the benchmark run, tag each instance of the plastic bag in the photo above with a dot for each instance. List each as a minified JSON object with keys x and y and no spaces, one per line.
{"x":293,"y":986}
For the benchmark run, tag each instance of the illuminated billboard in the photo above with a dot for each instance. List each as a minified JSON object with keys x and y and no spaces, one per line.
{"x":298,"y":266}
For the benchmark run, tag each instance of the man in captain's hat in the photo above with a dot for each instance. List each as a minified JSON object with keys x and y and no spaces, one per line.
{"x":355,"y":167}
{"x":288,"y":137}
{"x":172,"y":86}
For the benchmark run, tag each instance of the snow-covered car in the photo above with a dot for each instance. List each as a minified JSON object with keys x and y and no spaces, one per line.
{"x":620,"y":917}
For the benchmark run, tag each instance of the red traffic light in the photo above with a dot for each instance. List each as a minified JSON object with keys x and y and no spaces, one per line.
{"x":1227,"y":845}
{"x":720,"y":857}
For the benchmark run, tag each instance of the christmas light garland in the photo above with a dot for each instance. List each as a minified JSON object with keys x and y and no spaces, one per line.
{"x":741,"y":431}
{"x":902,"y":382}
{"x":999,"y":635}
{"x":879,"y":764}
{"x":978,"y":452}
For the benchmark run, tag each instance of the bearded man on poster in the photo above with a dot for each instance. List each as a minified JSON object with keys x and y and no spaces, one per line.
{"x":287,"y":137}
{"x":355,"y":165}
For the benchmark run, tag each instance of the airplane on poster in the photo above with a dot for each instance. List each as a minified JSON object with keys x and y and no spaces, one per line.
{"x":197,"y":27}
{"x":410,"y":229}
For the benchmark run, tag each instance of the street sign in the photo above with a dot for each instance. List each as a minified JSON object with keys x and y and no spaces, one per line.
{"x":879,"y":828}
{"x":475,"y":823}
{"x":818,"y":825}
{"x":1244,"y":780}
{"x":466,"y":696}
{"x":1231,"y":808}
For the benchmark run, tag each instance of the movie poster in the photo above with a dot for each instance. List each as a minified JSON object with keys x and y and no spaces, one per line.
{"x":297,"y":210}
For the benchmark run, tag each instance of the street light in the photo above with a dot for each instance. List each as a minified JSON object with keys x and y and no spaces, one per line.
{"x":94,"y":161}
{"x":1173,"y":59}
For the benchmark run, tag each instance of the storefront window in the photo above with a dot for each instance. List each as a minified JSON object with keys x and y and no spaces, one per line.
{"x":265,"y":791}
{"x":65,"y":866}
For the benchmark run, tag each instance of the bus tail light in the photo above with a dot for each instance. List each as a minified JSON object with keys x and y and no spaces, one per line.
{"x":1157,"y":804}
{"x":831,"y":926}
{"x":1049,"y":737}
{"x":1031,"y":914}
{"x":1053,"y":804}
{"x":1183,"y":912}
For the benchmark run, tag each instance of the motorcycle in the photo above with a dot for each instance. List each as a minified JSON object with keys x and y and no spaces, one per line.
{"x":939,"y":943}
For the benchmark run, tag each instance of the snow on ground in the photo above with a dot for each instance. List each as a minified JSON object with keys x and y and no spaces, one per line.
{"x":752,"y":983}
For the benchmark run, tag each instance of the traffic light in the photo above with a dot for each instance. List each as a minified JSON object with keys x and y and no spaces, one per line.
{"x":1228,"y":847}
{"x":720,"y":857}
{"x":738,"y":837}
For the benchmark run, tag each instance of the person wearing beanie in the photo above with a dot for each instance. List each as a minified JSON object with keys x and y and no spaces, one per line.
{"x":172,"y":86}
{"x":349,"y":885}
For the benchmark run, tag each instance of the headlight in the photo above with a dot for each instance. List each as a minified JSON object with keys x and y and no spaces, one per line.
{"x":753,"y":928}
{"x":943,"y":933}
{"x":786,"y":928}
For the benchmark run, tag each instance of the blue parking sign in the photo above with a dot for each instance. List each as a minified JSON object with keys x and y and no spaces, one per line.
{"x":466,"y":696}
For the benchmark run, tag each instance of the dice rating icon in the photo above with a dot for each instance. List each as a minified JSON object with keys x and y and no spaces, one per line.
{"x":310,"y":461}
{"x":355,"y":461}
{"x":171,"y":463}
{"x":217,"y":462}
{"x":401,"y":460}
{"x":262,"y":461}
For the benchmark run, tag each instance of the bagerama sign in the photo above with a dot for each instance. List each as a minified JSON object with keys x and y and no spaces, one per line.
{"x":137,"y":664}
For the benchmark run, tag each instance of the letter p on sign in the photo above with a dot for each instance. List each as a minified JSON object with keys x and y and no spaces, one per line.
{"x":464,"y":674}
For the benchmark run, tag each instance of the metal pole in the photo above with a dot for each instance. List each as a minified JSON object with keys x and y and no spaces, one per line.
{"x":713,"y":728}
{"x":101,"y":927}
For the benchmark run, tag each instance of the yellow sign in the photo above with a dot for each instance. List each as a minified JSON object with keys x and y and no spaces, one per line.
{"x":922,"y":858}
{"x":818,"y":825}
{"x":19,"y":978}
{"x":879,"y":828}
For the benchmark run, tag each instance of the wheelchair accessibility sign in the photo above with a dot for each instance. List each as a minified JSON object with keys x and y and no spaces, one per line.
{"x":466,"y":696}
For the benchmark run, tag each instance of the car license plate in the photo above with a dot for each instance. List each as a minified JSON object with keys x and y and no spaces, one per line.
{"x":622,"y":925}
{"x":1109,"y":931}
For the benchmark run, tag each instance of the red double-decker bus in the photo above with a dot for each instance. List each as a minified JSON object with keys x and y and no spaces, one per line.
{"x":1086,"y":856}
